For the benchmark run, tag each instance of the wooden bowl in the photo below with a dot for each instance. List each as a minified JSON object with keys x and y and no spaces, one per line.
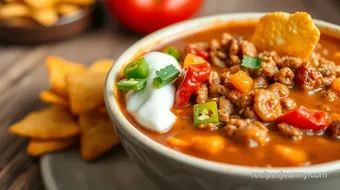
{"x":27,"y":33}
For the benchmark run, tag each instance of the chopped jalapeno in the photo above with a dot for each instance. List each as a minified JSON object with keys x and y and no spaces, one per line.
{"x":173,"y":52}
{"x":205,"y":113}
{"x":165,"y":76}
{"x":131,"y":84}
{"x":251,"y":63}
{"x":137,"y":69}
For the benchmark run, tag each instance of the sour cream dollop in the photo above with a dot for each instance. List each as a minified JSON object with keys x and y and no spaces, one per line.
{"x":151,"y":106}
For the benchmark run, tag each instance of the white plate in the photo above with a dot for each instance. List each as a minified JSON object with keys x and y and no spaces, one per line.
{"x":67,"y":171}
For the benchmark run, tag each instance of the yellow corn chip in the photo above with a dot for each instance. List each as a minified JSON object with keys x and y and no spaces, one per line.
{"x":55,"y":122}
{"x":291,"y":34}
{"x":46,"y":17}
{"x":103,"y":65}
{"x":85,"y":90}
{"x":97,"y":135}
{"x":58,"y":69}
{"x":79,"y":2}
{"x":51,"y":97}
{"x":14,"y":10}
{"x":65,"y":9}
{"x":102,"y":109}
{"x":37,"y":147}
{"x":40,"y":4}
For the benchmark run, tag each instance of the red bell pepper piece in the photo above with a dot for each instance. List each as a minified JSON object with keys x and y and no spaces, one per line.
{"x":194,"y":76}
{"x":199,"y":52}
{"x":304,"y":118}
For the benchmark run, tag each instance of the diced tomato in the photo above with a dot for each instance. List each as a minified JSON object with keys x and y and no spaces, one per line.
{"x":304,"y":118}
{"x":197,"y":51}
{"x":194,"y":76}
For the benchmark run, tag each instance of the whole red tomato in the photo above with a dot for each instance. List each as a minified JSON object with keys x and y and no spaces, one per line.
{"x":145,"y":16}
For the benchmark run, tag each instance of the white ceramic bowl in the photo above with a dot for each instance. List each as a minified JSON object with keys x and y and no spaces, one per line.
{"x":171,"y":169}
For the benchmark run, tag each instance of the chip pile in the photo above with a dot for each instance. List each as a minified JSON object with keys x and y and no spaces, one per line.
{"x":77,"y":114}
{"x":44,"y":12}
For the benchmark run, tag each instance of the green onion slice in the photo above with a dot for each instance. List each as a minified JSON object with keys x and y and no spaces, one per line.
{"x":165,"y":76}
{"x":205,"y":113}
{"x":137,"y":69}
{"x":131,"y":84}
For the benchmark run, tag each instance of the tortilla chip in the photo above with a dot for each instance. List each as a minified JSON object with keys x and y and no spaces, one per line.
{"x":14,"y":10}
{"x":55,"y":122}
{"x":46,"y":17}
{"x":102,"y":109}
{"x":98,"y":135}
{"x":40,"y":4}
{"x":58,"y":69}
{"x":79,"y":2}
{"x":103,"y":65}
{"x":65,"y":9}
{"x":48,"y":96}
{"x":85,"y":90}
{"x":289,"y":34}
{"x":37,"y":148}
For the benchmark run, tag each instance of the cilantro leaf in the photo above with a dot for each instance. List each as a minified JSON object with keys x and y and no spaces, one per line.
{"x":251,"y":63}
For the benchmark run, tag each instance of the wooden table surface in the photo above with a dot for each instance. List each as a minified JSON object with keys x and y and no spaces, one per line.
{"x":23,"y":75}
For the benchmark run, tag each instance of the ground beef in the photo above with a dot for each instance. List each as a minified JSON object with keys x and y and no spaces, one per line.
{"x":226,"y":37}
{"x":233,"y":125}
{"x":217,"y":55}
{"x":267,"y":69}
{"x":290,"y":131}
{"x":226,"y":105}
{"x":249,"y":113}
{"x":248,"y":49}
{"x":246,"y":99}
{"x":216,"y":60}
{"x":308,"y":78}
{"x":234,"y":47}
{"x":214,"y":77}
{"x":333,"y":129}
{"x":326,"y":68}
{"x":223,"y":115}
{"x":287,"y":103}
{"x":267,"y":105}
{"x":260,"y":82}
{"x":329,"y":95}
{"x":291,"y":62}
{"x":234,"y":60}
{"x":202,"y":94}
{"x":285,"y":76}
{"x":234,"y":95}
{"x":279,"y":89}
{"x":217,"y":90}
{"x":252,"y":135}
{"x":225,"y":79}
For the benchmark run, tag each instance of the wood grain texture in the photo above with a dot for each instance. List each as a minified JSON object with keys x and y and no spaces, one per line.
{"x":23,"y":75}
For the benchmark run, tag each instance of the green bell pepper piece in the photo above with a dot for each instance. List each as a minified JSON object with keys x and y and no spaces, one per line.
{"x":131,"y":84}
{"x":137,"y":69}
{"x":205,"y":113}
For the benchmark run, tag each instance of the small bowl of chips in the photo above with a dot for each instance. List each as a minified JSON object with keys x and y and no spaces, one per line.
{"x":22,"y":20}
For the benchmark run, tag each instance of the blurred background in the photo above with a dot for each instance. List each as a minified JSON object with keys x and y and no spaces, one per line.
{"x":84,"y":31}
